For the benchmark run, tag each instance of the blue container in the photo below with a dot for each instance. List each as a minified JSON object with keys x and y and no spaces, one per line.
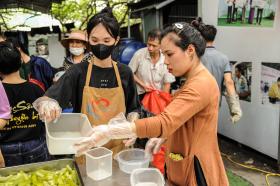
{"x":126,"y":49}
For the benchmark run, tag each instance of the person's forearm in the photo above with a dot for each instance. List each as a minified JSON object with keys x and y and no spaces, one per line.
{"x":229,"y":84}
{"x":3,"y":122}
{"x":230,"y":89}
{"x":166,"y":87}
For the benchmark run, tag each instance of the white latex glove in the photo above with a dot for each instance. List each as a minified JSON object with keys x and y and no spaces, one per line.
{"x":48,"y":109}
{"x":234,"y":108}
{"x":153,"y":146}
{"x":117,"y":128}
{"x":131,"y":117}
{"x":129,"y":142}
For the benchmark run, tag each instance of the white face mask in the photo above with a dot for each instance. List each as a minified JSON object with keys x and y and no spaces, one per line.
{"x":76,"y":51}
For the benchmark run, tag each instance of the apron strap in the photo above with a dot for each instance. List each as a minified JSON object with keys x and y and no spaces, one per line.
{"x":117,"y":74}
{"x":89,"y":70}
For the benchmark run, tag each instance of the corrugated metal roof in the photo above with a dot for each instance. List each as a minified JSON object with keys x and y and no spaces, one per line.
{"x":43,"y":6}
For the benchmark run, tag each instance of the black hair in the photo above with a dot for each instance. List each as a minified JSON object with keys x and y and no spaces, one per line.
{"x":207,"y":31}
{"x":188,"y":35}
{"x":10,"y":59}
{"x":239,"y":68}
{"x":107,"y":19}
{"x":16,"y":42}
{"x":42,"y":41}
{"x":155,"y":34}
{"x":278,"y":79}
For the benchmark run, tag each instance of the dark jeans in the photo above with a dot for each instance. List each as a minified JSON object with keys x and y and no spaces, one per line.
{"x":234,"y":14}
{"x":229,"y":14}
{"x":25,"y":152}
{"x":259,"y":15}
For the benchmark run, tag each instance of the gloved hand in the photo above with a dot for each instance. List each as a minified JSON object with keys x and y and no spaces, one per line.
{"x":234,"y":108}
{"x":48,"y":109}
{"x":153,"y":146}
{"x":117,"y":128}
{"x":131,"y":117}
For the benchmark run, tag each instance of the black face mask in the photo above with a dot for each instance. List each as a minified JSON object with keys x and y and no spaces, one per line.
{"x":102,"y":51}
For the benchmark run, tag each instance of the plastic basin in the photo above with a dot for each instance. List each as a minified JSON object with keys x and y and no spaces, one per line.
{"x":68,"y":130}
{"x":132,"y":159}
{"x":146,"y":177}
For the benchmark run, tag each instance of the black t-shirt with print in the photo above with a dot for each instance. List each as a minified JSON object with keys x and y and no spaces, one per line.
{"x":69,"y":87}
{"x":25,"y":123}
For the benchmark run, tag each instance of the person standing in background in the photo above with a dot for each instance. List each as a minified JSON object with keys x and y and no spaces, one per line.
{"x":22,"y":139}
{"x":243,"y":4}
{"x":35,"y":69}
{"x":251,"y":17}
{"x":147,"y":64}
{"x":229,"y":12}
{"x":77,"y":45}
{"x":274,"y":92}
{"x":76,"y":49}
{"x":260,"y":6}
{"x":42,"y":48}
{"x":218,"y":64}
{"x":241,"y":84}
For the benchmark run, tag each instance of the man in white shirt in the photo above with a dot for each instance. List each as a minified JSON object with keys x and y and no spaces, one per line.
{"x":148,"y":67}
{"x":260,"y":4}
{"x":229,"y":13}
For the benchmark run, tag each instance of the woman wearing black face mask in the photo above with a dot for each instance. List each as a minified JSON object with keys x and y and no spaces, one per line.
{"x":98,"y":87}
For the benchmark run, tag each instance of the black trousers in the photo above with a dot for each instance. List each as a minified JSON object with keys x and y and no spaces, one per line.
{"x":200,"y":179}
{"x":229,"y":14}
{"x":259,"y":15}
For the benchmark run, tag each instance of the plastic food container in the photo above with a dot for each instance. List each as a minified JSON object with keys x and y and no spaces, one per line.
{"x":146,"y":177}
{"x":132,"y":159}
{"x":99,"y":163}
{"x":68,"y":130}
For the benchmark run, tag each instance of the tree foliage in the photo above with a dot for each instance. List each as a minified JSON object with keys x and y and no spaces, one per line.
{"x":77,"y":11}
{"x":81,"y":11}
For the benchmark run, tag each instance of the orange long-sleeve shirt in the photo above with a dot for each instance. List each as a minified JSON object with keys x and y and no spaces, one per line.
{"x":189,"y":123}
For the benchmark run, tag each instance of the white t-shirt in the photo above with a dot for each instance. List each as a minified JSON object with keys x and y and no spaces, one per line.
{"x":229,"y":2}
{"x":259,"y":3}
{"x":154,"y":75}
{"x":241,"y":3}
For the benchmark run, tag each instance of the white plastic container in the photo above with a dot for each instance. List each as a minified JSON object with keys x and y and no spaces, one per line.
{"x":99,"y":163}
{"x":132,"y":159}
{"x":68,"y":130}
{"x":146,"y":177}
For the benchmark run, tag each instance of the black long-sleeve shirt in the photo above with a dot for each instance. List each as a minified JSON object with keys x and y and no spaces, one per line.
{"x":69,"y":87}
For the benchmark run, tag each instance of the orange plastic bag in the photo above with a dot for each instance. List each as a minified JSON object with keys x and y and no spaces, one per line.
{"x":159,"y":159}
{"x":155,"y":101}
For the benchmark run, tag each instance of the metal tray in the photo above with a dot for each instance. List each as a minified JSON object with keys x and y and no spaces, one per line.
{"x":47,"y":165}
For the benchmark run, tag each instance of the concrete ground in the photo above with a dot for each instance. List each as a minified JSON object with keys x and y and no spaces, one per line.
{"x":247,"y":156}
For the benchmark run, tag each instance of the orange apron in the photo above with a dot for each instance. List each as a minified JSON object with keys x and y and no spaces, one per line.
{"x":102,"y":104}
